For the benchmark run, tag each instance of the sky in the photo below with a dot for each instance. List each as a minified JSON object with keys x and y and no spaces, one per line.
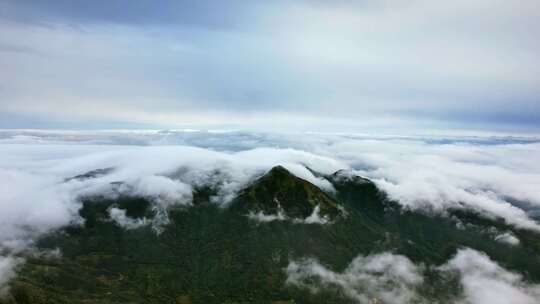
{"x":395,"y":66}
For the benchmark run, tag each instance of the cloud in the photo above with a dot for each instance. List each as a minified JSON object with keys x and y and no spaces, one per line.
{"x":508,"y":238}
{"x":121,"y":219}
{"x":38,"y":195}
{"x":484,"y":281}
{"x":32,"y":204}
{"x":265,"y":218}
{"x":386,"y":277}
{"x":390,"y":278}
{"x":495,"y":176}
{"x":166,"y":13}
{"x":7,"y":271}
{"x":388,"y":63}
{"x":314,"y":218}
{"x":160,"y":188}
{"x":423,"y":175}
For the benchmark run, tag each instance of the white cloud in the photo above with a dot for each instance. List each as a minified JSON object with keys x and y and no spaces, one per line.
{"x":458,"y":174}
{"x":36,"y":197}
{"x":159,"y":188}
{"x":265,"y":218}
{"x":484,"y":281}
{"x":386,"y":277}
{"x":390,"y":278}
{"x":119,"y":217}
{"x":478,"y":173}
{"x":7,"y":271}
{"x":314,"y":218}
{"x":32,"y":204}
{"x":508,"y":238}
{"x":416,"y":173}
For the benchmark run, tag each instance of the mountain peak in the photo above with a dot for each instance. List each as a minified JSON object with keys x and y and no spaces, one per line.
{"x":280,"y":190}
{"x":359,"y":192}
{"x":348,"y":176}
{"x":279,"y":169}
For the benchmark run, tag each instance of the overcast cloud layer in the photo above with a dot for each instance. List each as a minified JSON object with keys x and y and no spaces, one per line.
{"x":497,"y":176}
{"x":342,"y":64}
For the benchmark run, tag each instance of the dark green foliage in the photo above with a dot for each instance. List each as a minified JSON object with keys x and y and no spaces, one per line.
{"x":432,"y":238}
{"x":211,"y":254}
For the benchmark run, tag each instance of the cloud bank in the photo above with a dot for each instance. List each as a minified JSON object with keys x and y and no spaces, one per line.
{"x":7,"y":271}
{"x":121,"y":219}
{"x":390,"y":278}
{"x":484,"y":281}
{"x":40,"y":193}
{"x":495,"y":176}
{"x":314,"y":218}
{"x":386,"y":277}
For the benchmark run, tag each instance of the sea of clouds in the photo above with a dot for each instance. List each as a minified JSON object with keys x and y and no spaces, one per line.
{"x":497,"y":176}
